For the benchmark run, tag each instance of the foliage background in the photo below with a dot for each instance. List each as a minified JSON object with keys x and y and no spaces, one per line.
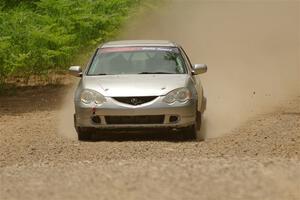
{"x":40,"y":36}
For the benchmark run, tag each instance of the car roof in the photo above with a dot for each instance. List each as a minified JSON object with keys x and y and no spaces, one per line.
{"x":138,"y":43}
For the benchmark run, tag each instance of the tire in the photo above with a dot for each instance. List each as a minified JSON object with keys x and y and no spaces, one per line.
{"x":84,"y":134}
{"x":196,"y":129}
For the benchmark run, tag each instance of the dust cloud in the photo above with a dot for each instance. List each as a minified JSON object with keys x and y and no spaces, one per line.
{"x":252,"y":49}
{"x":65,"y":119}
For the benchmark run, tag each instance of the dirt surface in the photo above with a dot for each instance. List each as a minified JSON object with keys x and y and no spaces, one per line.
{"x":252,"y":121}
{"x":259,"y":160}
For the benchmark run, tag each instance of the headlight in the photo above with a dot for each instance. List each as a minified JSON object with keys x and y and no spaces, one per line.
{"x":91,"y":96}
{"x":181,"y":95}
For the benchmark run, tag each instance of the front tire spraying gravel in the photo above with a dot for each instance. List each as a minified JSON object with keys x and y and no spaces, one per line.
{"x":196,"y":128}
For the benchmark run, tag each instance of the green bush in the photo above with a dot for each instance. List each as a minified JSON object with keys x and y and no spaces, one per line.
{"x":41,"y":35}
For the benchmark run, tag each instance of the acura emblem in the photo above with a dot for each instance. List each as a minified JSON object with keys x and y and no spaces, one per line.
{"x":134,"y":101}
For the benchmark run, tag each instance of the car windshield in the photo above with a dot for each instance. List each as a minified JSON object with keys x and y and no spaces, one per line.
{"x":137,"y":60}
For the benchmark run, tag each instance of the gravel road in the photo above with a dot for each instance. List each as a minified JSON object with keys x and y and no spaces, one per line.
{"x":252,"y":119}
{"x":259,"y":160}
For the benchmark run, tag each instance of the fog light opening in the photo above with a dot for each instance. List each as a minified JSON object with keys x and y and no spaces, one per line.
{"x":173,"y":119}
{"x":96,"y":119}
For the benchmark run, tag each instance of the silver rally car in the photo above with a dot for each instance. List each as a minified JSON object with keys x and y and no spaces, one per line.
{"x":139,"y":84}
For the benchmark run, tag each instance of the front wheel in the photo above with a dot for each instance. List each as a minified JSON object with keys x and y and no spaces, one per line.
{"x":196,"y":128}
{"x":84,"y":134}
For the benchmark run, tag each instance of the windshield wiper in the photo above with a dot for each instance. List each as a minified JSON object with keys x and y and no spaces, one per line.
{"x":156,"y":73}
{"x":101,"y":74}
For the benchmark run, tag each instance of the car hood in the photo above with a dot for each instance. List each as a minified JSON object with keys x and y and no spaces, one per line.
{"x":135,"y":85}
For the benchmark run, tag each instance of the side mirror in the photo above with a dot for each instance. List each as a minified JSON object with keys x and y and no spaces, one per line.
{"x":75,"y":71}
{"x":199,"y":69}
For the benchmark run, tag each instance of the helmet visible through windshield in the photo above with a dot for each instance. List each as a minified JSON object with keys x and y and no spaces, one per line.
{"x":137,"y":60}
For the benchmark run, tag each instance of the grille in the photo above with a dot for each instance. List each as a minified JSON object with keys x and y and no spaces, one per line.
{"x":135,"y":100}
{"x":147,"y":119}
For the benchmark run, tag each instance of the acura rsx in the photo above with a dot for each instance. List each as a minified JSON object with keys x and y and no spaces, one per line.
{"x":139,"y":84}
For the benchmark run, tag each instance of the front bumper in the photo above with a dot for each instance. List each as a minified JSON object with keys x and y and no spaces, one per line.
{"x":184,"y":112}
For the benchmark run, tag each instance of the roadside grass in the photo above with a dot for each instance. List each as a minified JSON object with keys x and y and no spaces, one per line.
{"x":39,"y":38}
